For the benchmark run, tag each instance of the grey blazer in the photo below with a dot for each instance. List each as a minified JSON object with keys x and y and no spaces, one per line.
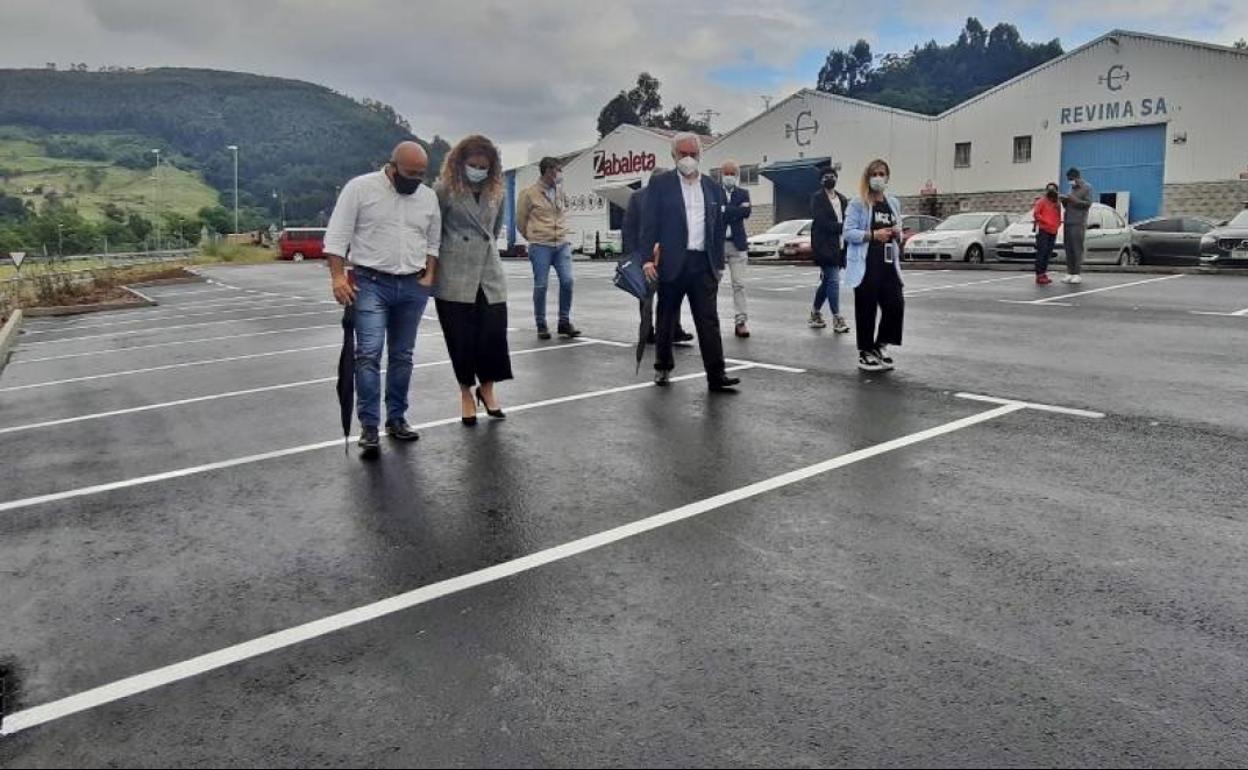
{"x":468,"y":258}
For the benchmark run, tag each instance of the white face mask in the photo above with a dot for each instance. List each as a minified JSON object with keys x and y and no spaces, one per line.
{"x":730,"y":181}
{"x":687,"y":165}
{"x":879,"y":184}
{"x":559,"y":179}
{"x":476,"y":175}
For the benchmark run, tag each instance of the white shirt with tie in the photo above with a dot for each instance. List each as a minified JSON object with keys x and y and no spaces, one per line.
{"x":695,"y":212}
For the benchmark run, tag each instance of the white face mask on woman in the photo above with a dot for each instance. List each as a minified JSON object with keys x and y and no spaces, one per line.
{"x":879,"y":184}
{"x":476,"y":175}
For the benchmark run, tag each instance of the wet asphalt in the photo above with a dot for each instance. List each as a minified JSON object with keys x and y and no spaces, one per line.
{"x":1036,"y":589}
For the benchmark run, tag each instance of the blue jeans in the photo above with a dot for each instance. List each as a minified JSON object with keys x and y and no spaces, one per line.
{"x":387,"y":311}
{"x":542,"y":258}
{"x":829,"y":289}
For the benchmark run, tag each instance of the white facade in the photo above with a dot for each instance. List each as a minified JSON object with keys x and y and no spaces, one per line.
{"x":1193,"y":95}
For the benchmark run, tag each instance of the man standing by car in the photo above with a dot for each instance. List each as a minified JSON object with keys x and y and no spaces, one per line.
{"x":735,"y":245}
{"x":1077,"y":205}
{"x":391,"y":226}
{"x":541,"y":217}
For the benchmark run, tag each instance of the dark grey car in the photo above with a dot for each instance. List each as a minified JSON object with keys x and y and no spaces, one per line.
{"x":1168,"y":240}
{"x":1228,"y":244}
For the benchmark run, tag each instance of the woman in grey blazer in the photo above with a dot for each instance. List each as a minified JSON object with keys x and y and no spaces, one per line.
{"x":471,"y":287}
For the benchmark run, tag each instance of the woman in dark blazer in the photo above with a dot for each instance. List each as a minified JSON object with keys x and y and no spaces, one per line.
{"x":827,"y":209}
{"x":471,"y":288}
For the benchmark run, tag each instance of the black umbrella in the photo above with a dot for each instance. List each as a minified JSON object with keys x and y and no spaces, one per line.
{"x":647,"y":327}
{"x":630,"y":276}
{"x":346,"y":375}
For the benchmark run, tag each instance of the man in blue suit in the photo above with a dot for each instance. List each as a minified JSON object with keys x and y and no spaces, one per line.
{"x":630,"y":235}
{"x":736,"y":246}
{"x":682,"y":229}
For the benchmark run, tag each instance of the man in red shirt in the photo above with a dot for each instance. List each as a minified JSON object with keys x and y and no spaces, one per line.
{"x":1047,"y":215}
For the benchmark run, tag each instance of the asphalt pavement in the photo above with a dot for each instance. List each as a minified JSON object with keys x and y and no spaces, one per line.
{"x":1025,"y":546}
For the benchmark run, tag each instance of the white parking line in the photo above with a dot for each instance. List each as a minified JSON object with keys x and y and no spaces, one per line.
{"x":1060,"y":297}
{"x":1032,"y":405}
{"x":177,"y":326}
{"x":751,"y":364}
{"x":1235,"y":314}
{"x":185,"y":292}
{"x":95,"y":489}
{"x":238,"y":393}
{"x":912,"y":292}
{"x":174,"y":343}
{"x":130,"y":321}
{"x":150,"y":680}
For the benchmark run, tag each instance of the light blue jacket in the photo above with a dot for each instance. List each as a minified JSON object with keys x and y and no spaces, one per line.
{"x":858,"y":238}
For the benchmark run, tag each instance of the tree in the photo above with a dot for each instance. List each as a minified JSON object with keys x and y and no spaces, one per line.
{"x":846,"y":71}
{"x":439,"y":148}
{"x":617,"y":112}
{"x":646,"y":101}
{"x":1242,"y":44}
{"x":679,"y":120}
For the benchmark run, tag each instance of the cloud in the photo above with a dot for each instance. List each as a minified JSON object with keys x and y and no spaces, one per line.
{"x":534,"y":74}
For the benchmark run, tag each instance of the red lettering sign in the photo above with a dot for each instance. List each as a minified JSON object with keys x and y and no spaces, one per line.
{"x":615,"y":165}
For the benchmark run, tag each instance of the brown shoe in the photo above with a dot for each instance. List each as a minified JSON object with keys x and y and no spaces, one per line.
{"x":742,"y":330}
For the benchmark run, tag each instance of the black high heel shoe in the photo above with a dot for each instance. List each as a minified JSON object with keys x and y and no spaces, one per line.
{"x":497,"y":414}
{"x":469,"y":421}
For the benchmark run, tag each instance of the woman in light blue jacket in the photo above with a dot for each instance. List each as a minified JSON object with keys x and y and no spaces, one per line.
{"x":873,"y":267}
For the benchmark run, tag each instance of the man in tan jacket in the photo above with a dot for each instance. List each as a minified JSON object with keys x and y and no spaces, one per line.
{"x":541,"y":217}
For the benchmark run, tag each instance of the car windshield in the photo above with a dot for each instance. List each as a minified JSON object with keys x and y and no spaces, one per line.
{"x":791,"y":227}
{"x":1240,"y":220}
{"x":963,"y":222}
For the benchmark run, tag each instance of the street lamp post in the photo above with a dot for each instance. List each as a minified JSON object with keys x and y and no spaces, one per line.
{"x":281,"y":202}
{"x":60,"y":239}
{"x":234,"y":148}
{"x":156,"y":198}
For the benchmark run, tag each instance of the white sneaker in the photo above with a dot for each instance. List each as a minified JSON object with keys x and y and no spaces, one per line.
{"x":1068,"y":278}
{"x":1076,"y":279}
{"x":839,"y":326}
{"x":868,"y":362}
{"x":883,"y":355}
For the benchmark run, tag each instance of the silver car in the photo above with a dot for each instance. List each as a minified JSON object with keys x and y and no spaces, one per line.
{"x":1108,"y":239}
{"x":961,"y":238}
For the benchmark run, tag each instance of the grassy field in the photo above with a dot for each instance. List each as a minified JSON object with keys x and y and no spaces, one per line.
{"x":26,"y":168}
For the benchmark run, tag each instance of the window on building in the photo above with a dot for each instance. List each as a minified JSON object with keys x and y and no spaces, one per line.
{"x":962,"y":155}
{"x":1022,"y":149}
{"x":749,"y":175}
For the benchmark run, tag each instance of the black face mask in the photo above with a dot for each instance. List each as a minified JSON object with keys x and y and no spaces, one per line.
{"x":829,"y":183}
{"x":1052,"y":194}
{"x":405,"y":185}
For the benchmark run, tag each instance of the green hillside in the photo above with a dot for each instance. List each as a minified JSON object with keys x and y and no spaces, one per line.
{"x":30,"y":174}
{"x":296,"y":139}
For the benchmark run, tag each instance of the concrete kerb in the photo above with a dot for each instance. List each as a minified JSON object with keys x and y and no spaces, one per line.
{"x":8,"y":336}
{"x":140,"y":300}
{"x":1026,"y":267}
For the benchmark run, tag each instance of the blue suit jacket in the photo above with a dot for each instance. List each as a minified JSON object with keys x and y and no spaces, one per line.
{"x":663,"y":222}
{"x":735,"y":215}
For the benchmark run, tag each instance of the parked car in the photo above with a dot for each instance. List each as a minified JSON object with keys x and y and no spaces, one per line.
{"x":300,"y":243}
{"x":1228,"y":244}
{"x":1168,"y":240}
{"x":798,"y":247}
{"x":966,"y":237}
{"x":1108,"y":239}
{"x":768,"y":244}
{"x":913,"y":224}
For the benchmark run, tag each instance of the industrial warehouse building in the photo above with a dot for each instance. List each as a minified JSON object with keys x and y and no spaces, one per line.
{"x":1157,"y":125}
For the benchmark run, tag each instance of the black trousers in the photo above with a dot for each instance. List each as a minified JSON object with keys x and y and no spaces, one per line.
{"x":476,"y":338}
{"x":701,"y":286}
{"x":880,"y":288}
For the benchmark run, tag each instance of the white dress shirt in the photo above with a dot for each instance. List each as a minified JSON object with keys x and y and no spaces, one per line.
{"x":835,"y":200}
{"x":695,"y":212}
{"x":382,"y":229}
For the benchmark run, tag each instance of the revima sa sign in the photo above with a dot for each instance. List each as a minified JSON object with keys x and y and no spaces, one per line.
{"x":1123,"y":110}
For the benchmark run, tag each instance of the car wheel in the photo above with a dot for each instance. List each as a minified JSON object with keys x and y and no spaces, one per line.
{"x":298,"y":256}
{"x":1137,"y":256}
{"x":975,"y":254}
{"x":1128,"y":256}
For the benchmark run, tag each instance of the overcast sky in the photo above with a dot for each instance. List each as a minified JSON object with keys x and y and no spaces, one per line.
{"x":533,"y":74}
